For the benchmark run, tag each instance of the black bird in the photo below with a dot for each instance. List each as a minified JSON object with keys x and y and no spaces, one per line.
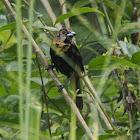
{"x":71,"y":66}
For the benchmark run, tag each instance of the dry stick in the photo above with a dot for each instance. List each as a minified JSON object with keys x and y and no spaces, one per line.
{"x":52,"y":74}
{"x":64,"y":11}
{"x":50,"y":12}
{"x":41,"y":20}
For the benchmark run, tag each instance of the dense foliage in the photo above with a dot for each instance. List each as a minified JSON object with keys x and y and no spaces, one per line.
{"x":109,"y":42}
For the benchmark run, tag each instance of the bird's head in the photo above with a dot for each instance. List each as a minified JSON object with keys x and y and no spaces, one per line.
{"x":64,"y":36}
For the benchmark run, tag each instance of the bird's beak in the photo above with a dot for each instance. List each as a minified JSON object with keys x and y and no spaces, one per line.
{"x":71,"y":34}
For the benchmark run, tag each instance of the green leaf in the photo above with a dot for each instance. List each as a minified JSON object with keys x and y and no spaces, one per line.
{"x":49,"y":28}
{"x":6,"y":56}
{"x":99,"y":63}
{"x":136,"y":126}
{"x":11,"y":98}
{"x":3,"y":20}
{"x":59,"y":131}
{"x":11,"y":102}
{"x":118,"y":104}
{"x":38,"y":80}
{"x":128,"y":48}
{"x":2,"y":70}
{"x":12,"y":66}
{"x":45,"y":48}
{"x":37,"y":24}
{"x":111,"y":5}
{"x":76,"y":12}
{"x":128,"y":29}
{"x":79,"y":4}
{"x":7,"y":39}
{"x":5,"y":84}
{"x":8,"y":26}
{"x":136,"y":58}
{"x":128,"y":10}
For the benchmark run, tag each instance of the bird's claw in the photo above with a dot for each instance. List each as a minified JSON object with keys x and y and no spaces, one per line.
{"x":49,"y":67}
{"x":60,"y":87}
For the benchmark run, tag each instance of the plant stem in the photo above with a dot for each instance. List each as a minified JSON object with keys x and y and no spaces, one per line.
{"x":98,"y":103}
{"x":73,"y":116}
{"x":20,"y":63}
{"x":28,"y":82}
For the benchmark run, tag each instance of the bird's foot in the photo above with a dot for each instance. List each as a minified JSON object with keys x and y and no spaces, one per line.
{"x":49,"y":67}
{"x":60,"y":87}
{"x":126,"y":106}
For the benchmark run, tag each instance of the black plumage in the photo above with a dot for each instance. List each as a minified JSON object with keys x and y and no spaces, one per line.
{"x":70,"y":63}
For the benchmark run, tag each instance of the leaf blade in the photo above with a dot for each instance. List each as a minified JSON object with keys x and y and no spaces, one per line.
{"x":99,"y":63}
{"x":76,"y":12}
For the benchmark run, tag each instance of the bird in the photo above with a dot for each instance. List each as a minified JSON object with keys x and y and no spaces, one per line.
{"x":69,"y":62}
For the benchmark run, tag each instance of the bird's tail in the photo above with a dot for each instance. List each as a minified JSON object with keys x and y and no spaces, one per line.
{"x":79,"y":100}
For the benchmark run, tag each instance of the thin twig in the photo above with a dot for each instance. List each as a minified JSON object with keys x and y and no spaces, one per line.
{"x":44,"y":95}
{"x":64,"y":11}
{"x":86,"y":39}
{"x":50,"y":12}
{"x":113,"y":99}
{"x":111,"y":27}
{"x":15,"y":134}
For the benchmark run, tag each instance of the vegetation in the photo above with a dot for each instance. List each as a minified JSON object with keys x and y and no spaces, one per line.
{"x":108,"y":39}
